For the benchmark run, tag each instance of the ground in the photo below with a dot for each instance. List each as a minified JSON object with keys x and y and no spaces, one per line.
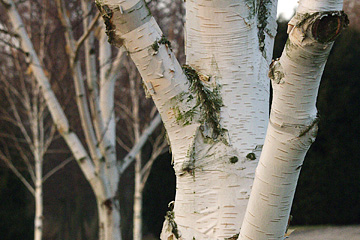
{"x":326,"y":233}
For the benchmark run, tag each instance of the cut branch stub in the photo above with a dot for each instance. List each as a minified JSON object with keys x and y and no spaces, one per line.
{"x":276,"y":73}
{"x":328,"y":25}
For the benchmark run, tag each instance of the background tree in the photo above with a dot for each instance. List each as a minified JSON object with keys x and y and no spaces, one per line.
{"x":95,"y":102}
{"x":32,"y":131}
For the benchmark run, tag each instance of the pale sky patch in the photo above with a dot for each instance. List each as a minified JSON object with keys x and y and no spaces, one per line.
{"x":286,"y":8}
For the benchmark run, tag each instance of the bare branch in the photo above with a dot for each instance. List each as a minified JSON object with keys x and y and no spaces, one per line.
{"x":57,"y":168}
{"x":19,"y":122}
{"x":17,"y":173}
{"x":158,"y":148}
{"x":122,"y":144}
{"x":81,"y":40}
{"x":137,"y":147}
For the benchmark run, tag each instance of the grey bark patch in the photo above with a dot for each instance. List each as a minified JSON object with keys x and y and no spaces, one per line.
{"x":236,"y":236}
{"x":262,"y":22}
{"x":170,"y":217}
{"x":313,"y":125}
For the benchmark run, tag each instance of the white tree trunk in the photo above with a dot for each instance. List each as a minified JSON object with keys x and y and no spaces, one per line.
{"x":109,"y":219}
{"x":210,"y":202}
{"x":38,"y":222}
{"x":293,"y":120}
{"x":137,"y":205}
{"x":228,"y":48}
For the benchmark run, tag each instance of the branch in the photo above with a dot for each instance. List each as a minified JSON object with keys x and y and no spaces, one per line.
{"x":81,"y":40}
{"x":18,"y":120}
{"x":82,"y":104}
{"x":17,"y":173}
{"x":137,"y":147}
{"x":55,"y":108}
{"x":122,"y":144}
{"x":57,"y":168}
{"x":158,"y":150}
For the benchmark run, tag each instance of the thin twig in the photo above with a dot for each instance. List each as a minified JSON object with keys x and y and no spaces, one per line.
{"x":57,"y":168}
{"x":81,"y":40}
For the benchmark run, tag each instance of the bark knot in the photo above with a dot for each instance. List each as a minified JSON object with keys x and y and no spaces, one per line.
{"x":276,"y":73}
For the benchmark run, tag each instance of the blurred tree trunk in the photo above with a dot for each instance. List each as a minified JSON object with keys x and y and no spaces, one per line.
{"x":215,"y":108}
{"x":95,"y":101}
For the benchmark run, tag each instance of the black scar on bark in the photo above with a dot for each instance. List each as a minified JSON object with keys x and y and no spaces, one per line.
{"x":108,"y":204}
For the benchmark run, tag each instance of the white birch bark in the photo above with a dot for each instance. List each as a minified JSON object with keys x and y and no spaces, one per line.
{"x":38,"y":157}
{"x":38,"y":223}
{"x":137,"y":205}
{"x":293,"y":120}
{"x":222,"y":41}
{"x":204,"y":208}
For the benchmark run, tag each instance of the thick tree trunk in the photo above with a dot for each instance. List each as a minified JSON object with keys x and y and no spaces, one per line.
{"x":109,"y":219}
{"x":214,"y":143}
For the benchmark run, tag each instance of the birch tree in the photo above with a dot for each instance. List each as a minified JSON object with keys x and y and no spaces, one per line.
{"x":215,"y":108}
{"x":94,"y":82}
{"x":31,"y":137}
{"x":33,"y":131}
{"x":159,"y":145}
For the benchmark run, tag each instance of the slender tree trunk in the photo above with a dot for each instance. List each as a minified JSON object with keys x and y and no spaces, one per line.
{"x":293,"y":120}
{"x":38,"y":222}
{"x":137,"y":207}
{"x":35,"y":120}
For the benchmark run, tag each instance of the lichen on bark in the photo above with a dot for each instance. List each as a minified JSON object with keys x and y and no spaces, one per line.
{"x":170,"y":219}
{"x":208,"y":100}
{"x":262,"y":22}
{"x":164,"y":41}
